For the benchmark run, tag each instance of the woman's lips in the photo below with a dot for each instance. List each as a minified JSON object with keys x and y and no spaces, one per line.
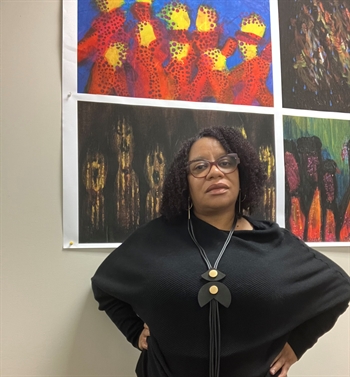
{"x":217,"y":188}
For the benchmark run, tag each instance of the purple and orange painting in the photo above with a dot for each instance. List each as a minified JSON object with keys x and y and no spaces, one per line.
{"x":315,"y":54}
{"x":125,"y":151}
{"x":194,"y":50}
{"x":317,"y":164}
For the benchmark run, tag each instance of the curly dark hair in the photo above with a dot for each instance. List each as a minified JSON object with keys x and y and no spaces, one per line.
{"x":251,"y":173}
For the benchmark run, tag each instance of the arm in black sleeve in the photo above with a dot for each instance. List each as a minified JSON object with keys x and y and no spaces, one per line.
{"x":306,"y":335}
{"x":121,"y":313}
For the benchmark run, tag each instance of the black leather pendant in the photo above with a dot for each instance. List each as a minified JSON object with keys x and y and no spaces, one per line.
{"x":214,"y":291}
{"x":213,"y":275}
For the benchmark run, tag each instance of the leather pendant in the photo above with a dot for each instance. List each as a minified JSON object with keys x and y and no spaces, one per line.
{"x":214,"y":290}
{"x":213,"y":275}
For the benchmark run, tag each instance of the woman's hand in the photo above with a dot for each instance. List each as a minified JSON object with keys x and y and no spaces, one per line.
{"x":143,"y":338}
{"x":283,"y":361}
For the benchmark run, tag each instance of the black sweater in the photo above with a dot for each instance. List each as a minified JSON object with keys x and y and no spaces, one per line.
{"x":282,"y":291}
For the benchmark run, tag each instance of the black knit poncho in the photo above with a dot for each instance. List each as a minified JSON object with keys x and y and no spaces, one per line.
{"x":282,"y":291}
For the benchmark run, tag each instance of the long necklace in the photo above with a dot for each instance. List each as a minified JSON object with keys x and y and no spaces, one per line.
{"x":213,"y":292}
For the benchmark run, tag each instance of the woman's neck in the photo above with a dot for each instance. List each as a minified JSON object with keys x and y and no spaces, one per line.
{"x":222,"y":221}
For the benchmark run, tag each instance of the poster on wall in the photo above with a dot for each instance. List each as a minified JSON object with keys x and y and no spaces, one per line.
{"x":315,"y":54}
{"x":317,"y":178}
{"x":191,"y":50}
{"x":124,"y":152}
{"x":139,"y":77}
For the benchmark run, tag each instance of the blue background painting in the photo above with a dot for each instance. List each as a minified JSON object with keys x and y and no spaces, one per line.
{"x":230,"y":16}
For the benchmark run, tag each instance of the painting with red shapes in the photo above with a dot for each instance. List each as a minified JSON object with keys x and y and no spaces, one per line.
{"x":317,"y":174}
{"x":315,"y":54}
{"x":190,"y":50}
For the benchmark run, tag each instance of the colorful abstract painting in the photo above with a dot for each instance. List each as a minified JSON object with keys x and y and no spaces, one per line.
{"x":315,"y":54}
{"x":317,"y":156}
{"x":193,"y":50}
{"x":124,"y":152}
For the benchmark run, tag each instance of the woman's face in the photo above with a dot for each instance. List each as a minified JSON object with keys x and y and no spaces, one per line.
{"x":217,"y":191}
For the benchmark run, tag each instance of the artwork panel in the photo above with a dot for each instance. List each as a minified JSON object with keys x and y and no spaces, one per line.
{"x":191,"y":50}
{"x":315,"y":54}
{"x":317,"y":177}
{"x":124,"y":152}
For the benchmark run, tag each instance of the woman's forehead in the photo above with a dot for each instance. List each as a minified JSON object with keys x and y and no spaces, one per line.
{"x":206,"y":146}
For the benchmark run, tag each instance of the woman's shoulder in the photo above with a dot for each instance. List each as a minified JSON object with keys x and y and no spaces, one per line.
{"x":157,"y":225}
{"x":269,"y":225}
{"x":154,"y":231}
{"x":141,"y":245}
{"x":262,"y":224}
{"x":270,"y":232}
{"x":287,"y":243}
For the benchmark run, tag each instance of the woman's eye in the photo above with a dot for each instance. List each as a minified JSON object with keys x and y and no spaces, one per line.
{"x":225,"y":163}
{"x":201,"y":166}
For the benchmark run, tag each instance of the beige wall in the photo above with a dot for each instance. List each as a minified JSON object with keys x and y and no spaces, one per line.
{"x":50,"y":322}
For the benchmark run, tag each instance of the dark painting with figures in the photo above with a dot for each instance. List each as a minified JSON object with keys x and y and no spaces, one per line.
{"x":125,"y":150}
{"x":315,"y":54}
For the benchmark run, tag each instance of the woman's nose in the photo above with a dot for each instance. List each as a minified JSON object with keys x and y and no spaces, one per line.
{"x":214,"y":172}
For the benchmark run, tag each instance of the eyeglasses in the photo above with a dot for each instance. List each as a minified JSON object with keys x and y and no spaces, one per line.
{"x":201,"y":168}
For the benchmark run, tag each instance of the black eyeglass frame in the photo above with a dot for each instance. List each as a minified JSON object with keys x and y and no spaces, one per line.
{"x":211,"y":163}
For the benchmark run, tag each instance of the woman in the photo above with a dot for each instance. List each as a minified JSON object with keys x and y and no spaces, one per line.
{"x":205,"y":291}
